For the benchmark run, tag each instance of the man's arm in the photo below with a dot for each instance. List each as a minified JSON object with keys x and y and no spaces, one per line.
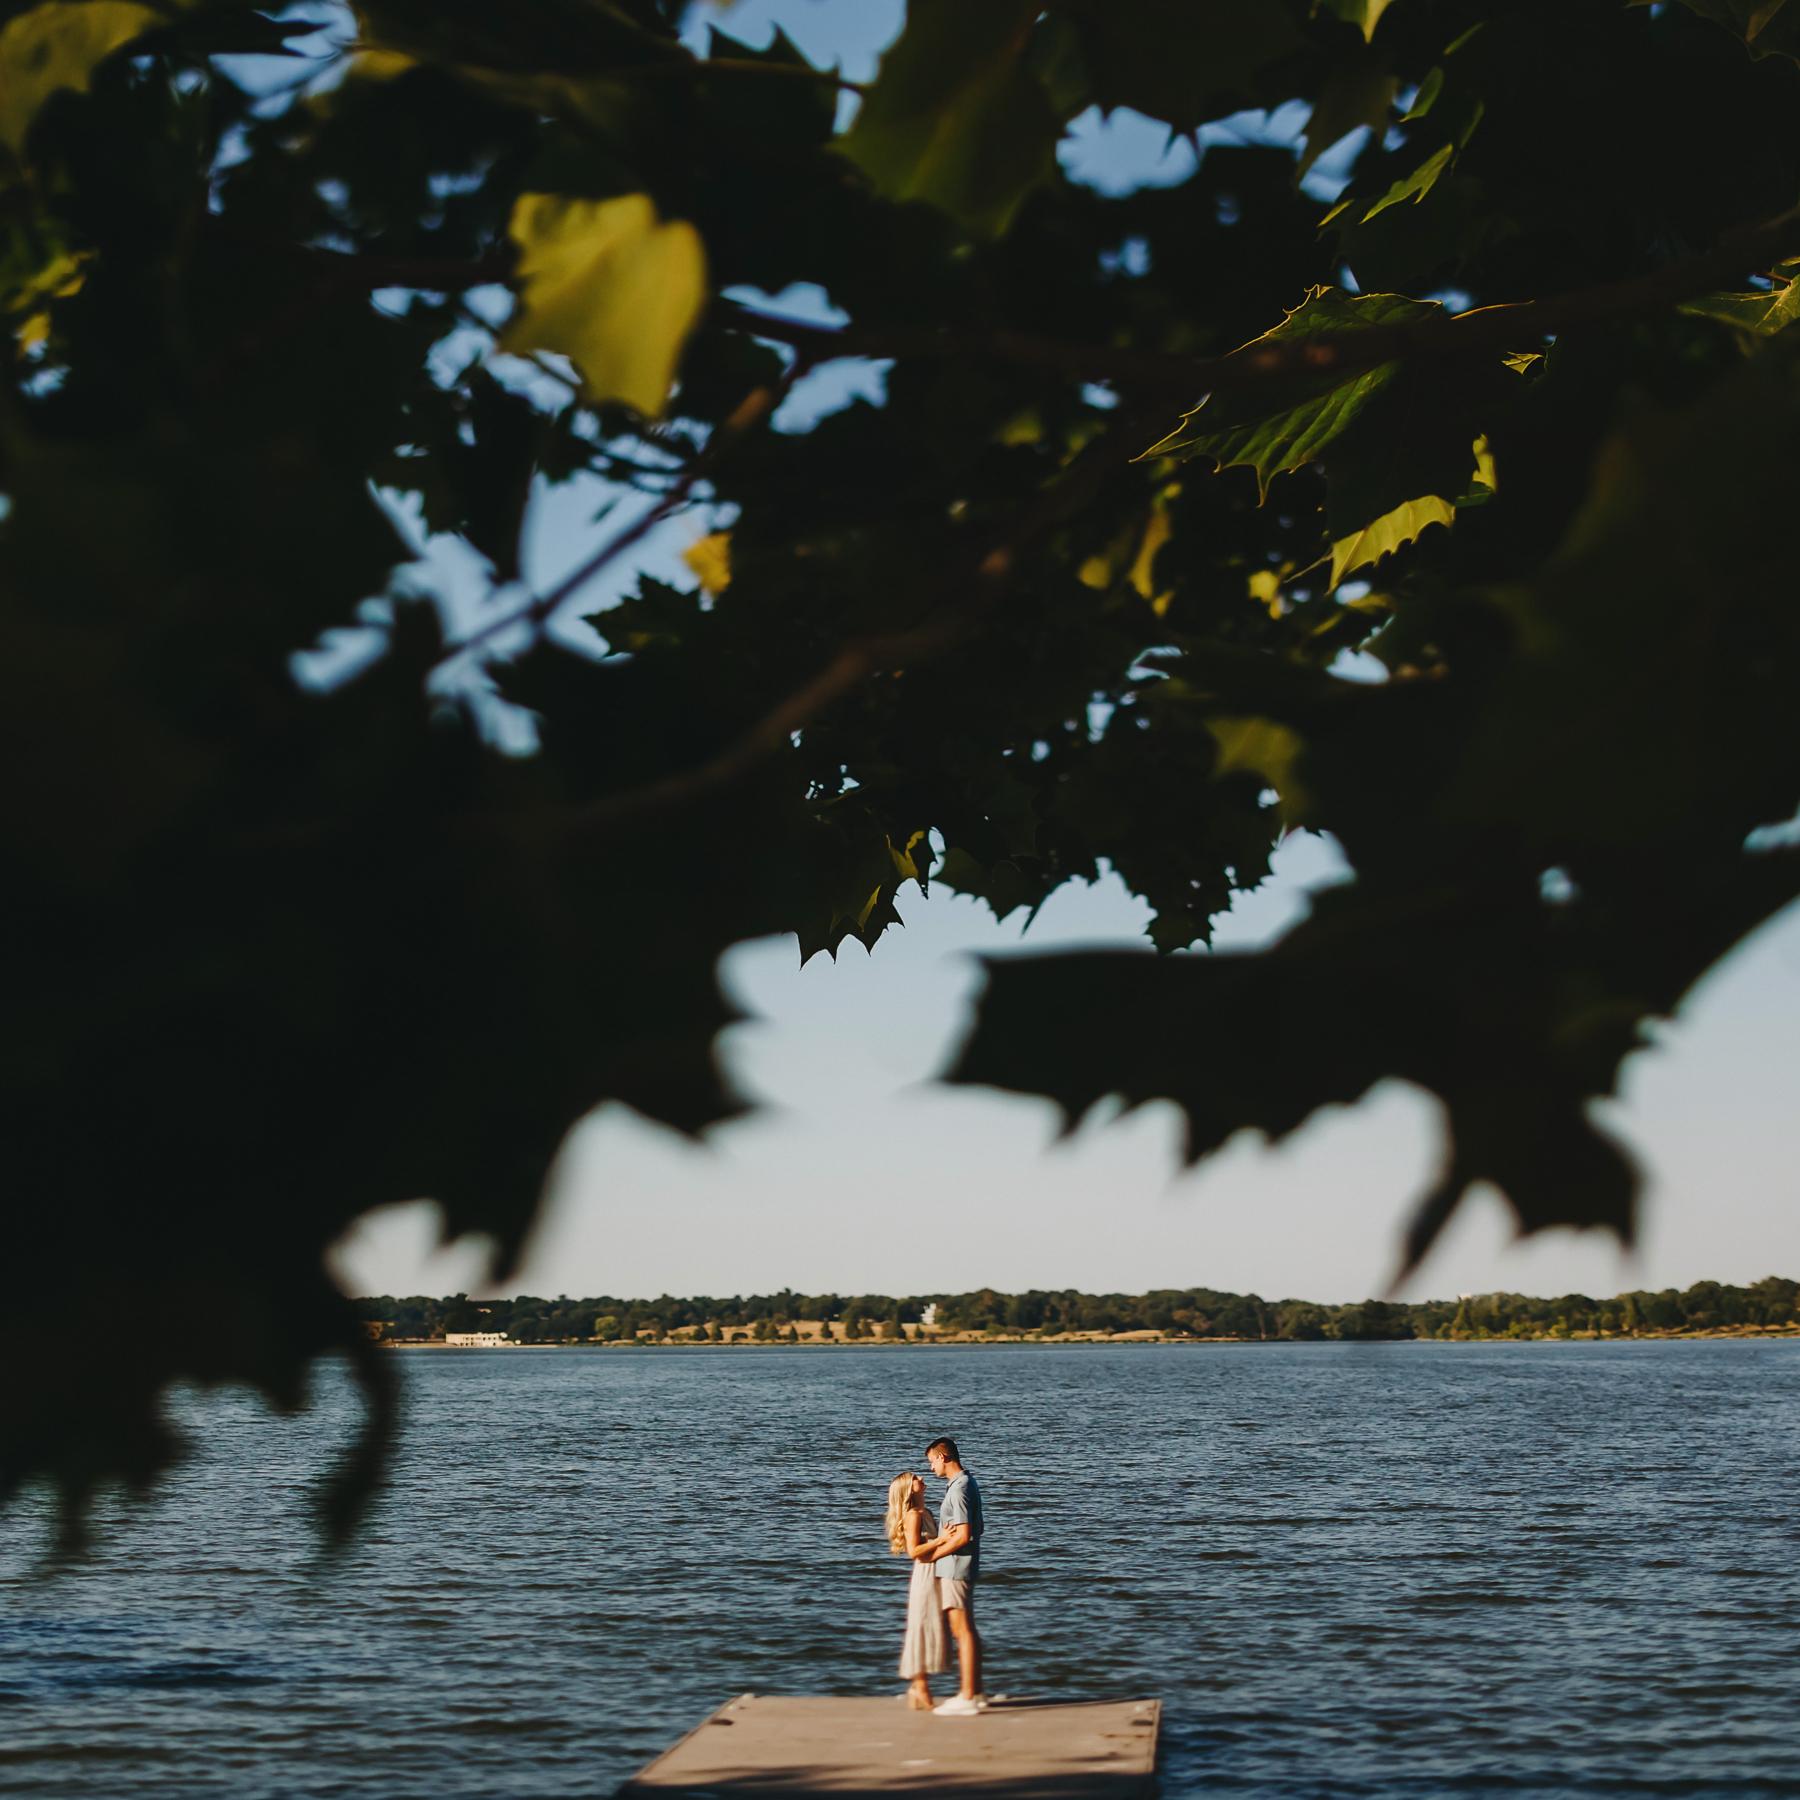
{"x":949,"y":1541}
{"x":918,"y":1545}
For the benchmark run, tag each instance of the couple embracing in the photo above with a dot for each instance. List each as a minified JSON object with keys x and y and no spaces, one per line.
{"x":946,"y":1560}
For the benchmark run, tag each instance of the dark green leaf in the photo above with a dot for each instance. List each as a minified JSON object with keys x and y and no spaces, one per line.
{"x":1276,"y":426}
{"x":956,"y":116}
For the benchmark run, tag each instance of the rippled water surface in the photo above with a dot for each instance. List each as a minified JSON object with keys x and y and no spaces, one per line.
{"x":1349,"y":1570}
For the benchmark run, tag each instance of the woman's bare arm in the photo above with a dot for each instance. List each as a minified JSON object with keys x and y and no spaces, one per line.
{"x":917,"y":1544}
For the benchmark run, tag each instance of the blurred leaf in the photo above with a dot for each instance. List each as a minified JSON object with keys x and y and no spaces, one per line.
{"x":1365,"y":15}
{"x":26,"y":293}
{"x":1358,"y":92}
{"x":1262,"y":747}
{"x":319,"y":902}
{"x":58,"y":45}
{"x":371,"y":64}
{"x":608,"y":285}
{"x":955,"y":116}
{"x":1472,"y":1006}
{"x":1674,"y":563}
{"x":710,"y":559}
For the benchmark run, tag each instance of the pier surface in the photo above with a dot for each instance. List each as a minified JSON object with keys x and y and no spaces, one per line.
{"x":1024,"y":1749}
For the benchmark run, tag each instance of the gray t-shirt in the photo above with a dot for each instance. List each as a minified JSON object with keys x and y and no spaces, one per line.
{"x":962,"y":1506}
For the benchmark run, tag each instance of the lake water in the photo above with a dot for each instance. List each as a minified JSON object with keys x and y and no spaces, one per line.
{"x":1408,"y":1569}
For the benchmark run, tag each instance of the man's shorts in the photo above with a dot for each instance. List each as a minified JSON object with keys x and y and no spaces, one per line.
{"x":955,"y":1591}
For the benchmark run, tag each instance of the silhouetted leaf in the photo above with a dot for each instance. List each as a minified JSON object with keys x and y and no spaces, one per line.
{"x":332,"y":880}
{"x":1181,"y":61}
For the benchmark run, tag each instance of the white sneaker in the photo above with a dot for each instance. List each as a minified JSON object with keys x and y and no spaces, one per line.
{"x":957,"y":1707}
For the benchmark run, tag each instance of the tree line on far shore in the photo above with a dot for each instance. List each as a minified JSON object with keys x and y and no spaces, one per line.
{"x":789,"y":1317}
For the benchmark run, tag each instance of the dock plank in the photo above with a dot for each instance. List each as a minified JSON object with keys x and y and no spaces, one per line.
{"x":1025,"y":1749}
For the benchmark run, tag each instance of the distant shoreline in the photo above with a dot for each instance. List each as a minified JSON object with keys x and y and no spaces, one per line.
{"x":1766,"y":1308}
{"x":975,"y":1340}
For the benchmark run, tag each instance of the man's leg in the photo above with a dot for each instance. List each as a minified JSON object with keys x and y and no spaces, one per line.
{"x":961,"y":1620}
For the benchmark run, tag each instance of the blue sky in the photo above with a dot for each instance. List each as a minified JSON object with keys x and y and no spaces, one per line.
{"x":857,"y":1175}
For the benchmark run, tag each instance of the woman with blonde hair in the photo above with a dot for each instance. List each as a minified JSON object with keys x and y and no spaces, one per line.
{"x":912,"y":1531}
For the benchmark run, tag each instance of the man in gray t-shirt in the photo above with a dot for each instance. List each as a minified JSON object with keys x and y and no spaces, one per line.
{"x":956,"y":1562}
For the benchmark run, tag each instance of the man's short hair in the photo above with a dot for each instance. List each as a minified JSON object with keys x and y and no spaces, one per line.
{"x":947,"y":1445}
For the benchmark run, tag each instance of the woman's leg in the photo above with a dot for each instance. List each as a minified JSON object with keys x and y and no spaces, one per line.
{"x":918,"y":1696}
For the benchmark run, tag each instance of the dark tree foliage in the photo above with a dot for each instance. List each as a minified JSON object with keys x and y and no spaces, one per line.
{"x":1515,"y":416}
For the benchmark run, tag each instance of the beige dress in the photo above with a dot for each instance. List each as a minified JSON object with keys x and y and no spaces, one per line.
{"x":924,"y":1650}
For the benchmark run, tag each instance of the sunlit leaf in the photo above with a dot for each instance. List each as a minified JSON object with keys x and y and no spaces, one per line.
{"x":908,"y":865}
{"x":59,"y":45}
{"x":1365,"y":15}
{"x":374,"y":64}
{"x":1487,"y":471}
{"x":1445,"y":112}
{"x":1392,"y":531}
{"x":608,"y":285}
{"x":1761,"y":313}
{"x":1143,"y":566}
{"x":710,"y":560}
{"x":27,"y":300}
{"x":1415,"y":186}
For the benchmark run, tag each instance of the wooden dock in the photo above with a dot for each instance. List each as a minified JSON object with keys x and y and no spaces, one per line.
{"x":1024,"y":1749}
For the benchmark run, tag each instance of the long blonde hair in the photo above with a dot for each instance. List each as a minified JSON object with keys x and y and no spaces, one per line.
{"x":899,"y":1492}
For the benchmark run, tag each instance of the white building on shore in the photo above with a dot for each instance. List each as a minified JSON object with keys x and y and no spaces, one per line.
{"x":478,"y":1340}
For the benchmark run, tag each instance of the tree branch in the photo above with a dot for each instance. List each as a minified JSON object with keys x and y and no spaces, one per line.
{"x":750,"y":411}
{"x":700,"y":67}
{"x":1144,"y":370}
